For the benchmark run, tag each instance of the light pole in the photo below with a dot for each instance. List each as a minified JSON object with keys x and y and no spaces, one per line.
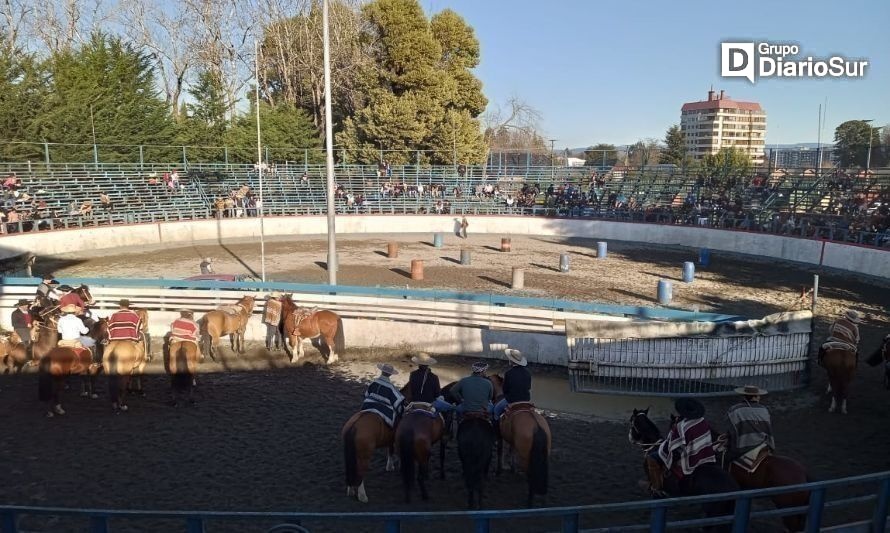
{"x":259,"y":157}
{"x":329,"y":148}
{"x":868,"y":155}
{"x":552,"y":170}
{"x":95,"y":148}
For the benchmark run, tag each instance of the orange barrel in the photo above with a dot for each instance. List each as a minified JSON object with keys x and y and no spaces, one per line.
{"x":392,"y":250}
{"x":417,"y":269}
{"x":518,"y":278}
{"x":505,"y":244}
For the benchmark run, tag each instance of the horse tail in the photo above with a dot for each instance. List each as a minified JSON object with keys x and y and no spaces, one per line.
{"x":406,"y":457}
{"x":339,"y":338}
{"x":538,"y":462}
{"x":181,"y":381}
{"x":350,"y":457}
{"x":206,"y":339}
{"x":45,"y":380}
{"x":112,"y":364}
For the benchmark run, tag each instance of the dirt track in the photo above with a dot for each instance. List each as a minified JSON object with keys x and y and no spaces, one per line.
{"x":267,"y":439}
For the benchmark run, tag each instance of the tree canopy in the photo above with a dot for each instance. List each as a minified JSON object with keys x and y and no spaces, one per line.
{"x":851,"y":144}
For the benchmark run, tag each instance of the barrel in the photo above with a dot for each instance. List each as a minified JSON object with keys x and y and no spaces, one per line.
{"x":601,"y":247}
{"x":564,"y":262}
{"x":417,"y":269}
{"x":505,"y":244}
{"x":464,"y":256}
{"x":688,"y":272}
{"x":392,"y":250}
{"x":518,"y":278}
{"x":665,"y":292}
{"x":704,"y":257}
{"x":437,"y":240}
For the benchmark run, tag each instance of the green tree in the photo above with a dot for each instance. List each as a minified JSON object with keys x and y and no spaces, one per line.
{"x":109,"y":85}
{"x":674,"y":152}
{"x":287,"y":132}
{"x":643,"y":153}
{"x":204,"y":127}
{"x":601,"y":155}
{"x":23,"y":88}
{"x":851,"y":143}
{"x":727,"y":162}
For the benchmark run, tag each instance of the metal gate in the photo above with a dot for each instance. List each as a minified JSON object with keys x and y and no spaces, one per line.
{"x":702,"y":359}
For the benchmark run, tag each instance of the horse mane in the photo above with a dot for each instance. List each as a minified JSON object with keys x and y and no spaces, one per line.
{"x":645,"y":427}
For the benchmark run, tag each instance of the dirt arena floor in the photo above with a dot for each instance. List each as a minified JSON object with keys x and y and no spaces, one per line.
{"x":264,"y":435}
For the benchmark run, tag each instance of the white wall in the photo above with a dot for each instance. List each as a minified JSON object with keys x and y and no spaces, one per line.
{"x":859,"y":259}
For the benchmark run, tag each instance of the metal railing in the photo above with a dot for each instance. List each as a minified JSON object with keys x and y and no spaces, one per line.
{"x":570,"y":519}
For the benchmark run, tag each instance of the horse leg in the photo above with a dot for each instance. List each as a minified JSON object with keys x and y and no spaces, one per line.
{"x":390,"y":460}
{"x":442,"y":457}
{"x":423,"y":472}
{"x":332,"y":355}
{"x":500,"y":465}
{"x":833,"y":406}
{"x":361,"y":494}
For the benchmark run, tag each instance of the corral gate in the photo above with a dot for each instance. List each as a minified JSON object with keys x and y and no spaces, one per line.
{"x":690,"y":358}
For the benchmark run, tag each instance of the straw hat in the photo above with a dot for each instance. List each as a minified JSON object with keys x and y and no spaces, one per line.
{"x":689,"y":408}
{"x":386,"y":368}
{"x":274,"y":295}
{"x":854,"y":316}
{"x":70,"y":308}
{"x":516,"y":357}
{"x":480,"y":367}
{"x":751,"y":390}
{"x":423,"y":359}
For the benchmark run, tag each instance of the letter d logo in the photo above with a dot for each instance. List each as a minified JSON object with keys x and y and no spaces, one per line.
{"x":737,"y":60}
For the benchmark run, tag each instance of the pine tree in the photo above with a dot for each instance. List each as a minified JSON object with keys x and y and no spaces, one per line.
{"x":674,"y":152}
{"x":286,"y":131}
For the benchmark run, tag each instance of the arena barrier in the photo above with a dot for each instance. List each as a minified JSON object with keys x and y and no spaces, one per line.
{"x":866,"y":511}
{"x":690,"y":358}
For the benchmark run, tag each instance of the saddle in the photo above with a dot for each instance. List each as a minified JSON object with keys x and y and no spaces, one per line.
{"x":303,"y":313}
{"x":423,"y":408}
{"x":233,"y":310}
{"x":482,"y":415}
{"x":182,"y":339}
{"x":518,"y":407}
{"x":750,"y":461}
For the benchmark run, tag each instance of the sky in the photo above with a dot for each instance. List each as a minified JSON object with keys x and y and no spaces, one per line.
{"x":618,"y":72}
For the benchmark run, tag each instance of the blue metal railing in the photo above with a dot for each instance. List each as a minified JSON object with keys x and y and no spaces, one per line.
{"x":406,"y":294}
{"x":570,"y":517}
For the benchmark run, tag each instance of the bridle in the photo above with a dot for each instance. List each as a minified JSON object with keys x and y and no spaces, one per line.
{"x":645,"y":446}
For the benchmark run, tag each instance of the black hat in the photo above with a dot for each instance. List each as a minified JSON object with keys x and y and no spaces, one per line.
{"x":689,"y":408}
{"x":23,"y":302}
{"x":124,"y":303}
{"x":66,"y":288}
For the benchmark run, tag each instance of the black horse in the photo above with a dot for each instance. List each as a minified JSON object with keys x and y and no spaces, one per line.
{"x":882,"y":355}
{"x":707,"y":478}
{"x":475,"y":439}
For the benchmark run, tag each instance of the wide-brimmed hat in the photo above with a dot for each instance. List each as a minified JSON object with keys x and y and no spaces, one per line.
{"x":689,"y":408}
{"x":423,"y":359}
{"x":186,"y":312}
{"x":516,"y":357}
{"x":67,"y":288}
{"x":23,"y":302}
{"x":274,"y":294}
{"x":70,"y":308}
{"x":387,"y":369}
{"x":751,"y":390}
{"x":207,"y":259}
{"x":854,"y":316}
{"x":123,"y":303}
{"x":480,"y":367}
{"x":48,"y":277}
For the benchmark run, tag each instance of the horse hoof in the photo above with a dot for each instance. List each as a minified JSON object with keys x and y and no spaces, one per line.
{"x":363,"y":498}
{"x":350,"y":491}
{"x":49,"y":414}
{"x":94,"y":396}
{"x":84,"y":394}
{"x":124,"y":408}
{"x":58,"y":409}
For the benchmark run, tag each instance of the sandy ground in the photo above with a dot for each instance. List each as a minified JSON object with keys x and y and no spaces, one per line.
{"x":264,"y":434}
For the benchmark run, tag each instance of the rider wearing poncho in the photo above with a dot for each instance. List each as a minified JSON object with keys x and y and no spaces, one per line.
{"x":689,"y":444}
{"x":46,"y":291}
{"x":184,"y":328}
{"x":382,"y":397}
{"x":844,"y":330}
{"x":750,"y":427}
{"x":124,"y":325}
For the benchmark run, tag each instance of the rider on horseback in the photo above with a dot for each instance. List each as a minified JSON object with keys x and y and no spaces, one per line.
{"x":689,"y":441}
{"x":473,"y":393}
{"x":844,"y":330}
{"x":72,"y":331}
{"x":21,"y":323}
{"x":46,"y":291}
{"x":750,"y":428}
{"x":423,"y":383}
{"x":382,"y":397}
{"x":185,"y":328}
{"x":517,"y":382}
{"x":124,"y":324}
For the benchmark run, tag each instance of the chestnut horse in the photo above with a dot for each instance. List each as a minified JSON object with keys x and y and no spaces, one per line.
{"x":882,"y":354}
{"x":181,"y":363}
{"x":53,"y":370}
{"x":528,"y":434}
{"x":839,"y":360}
{"x":298,"y":324}
{"x":45,"y":338}
{"x":219,"y":322}
{"x":363,"y":433}
{"x":124,"y":360}
{"x":13,"y":354}
{"x":418,"y":430}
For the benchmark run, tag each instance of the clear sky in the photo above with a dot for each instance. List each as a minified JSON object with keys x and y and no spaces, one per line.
{"x":617,"y":72}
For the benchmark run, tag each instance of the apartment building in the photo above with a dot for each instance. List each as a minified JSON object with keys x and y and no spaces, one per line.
{"x":720,"y":122}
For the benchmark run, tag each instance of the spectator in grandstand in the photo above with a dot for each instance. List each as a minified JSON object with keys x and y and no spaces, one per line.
{"x":11,"y":182}
{"x":106,"y":201}
{"x":304,"y":179}
{"x":86,"y":209}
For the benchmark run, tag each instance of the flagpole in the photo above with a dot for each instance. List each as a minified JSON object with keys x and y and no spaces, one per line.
{"x":329,"y":145}
{"x":259,"y":152}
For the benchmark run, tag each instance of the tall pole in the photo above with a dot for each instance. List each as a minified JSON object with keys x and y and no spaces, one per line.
{"x":868,"y":156}
{"x":259,"y":156}
{"x":552,"y":170}
{"x":95,"y":148}
{"x":819,"y":144}
{"x":329,"y":142}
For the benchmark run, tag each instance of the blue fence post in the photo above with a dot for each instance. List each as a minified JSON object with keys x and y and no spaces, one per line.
{"x":658,"y":520}
{"x":8,"y":522}
{"x":481,"y":525}
{"x":570,"y":523}
{"x":879,"y":522}
{"x":817,"y":505}
{"x":393,"y":526}
{"x":194,"y":524}
{"x":98,"y":524}
{"x":742,"y":515}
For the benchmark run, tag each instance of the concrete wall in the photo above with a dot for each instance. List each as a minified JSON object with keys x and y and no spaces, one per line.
{"x":859,"y":259}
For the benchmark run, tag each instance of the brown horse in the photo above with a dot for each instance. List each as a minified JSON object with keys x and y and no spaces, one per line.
{"x":13,"y":354}
{"x":418,"y":430}
{"x":55,"y":367}
{"x":123,"y":361}
{"x":839,"y":360}
{"x":45,"y":338}
{"x":181,"y":363}
{"x":882,"y":355}
{"x":363,"y":433}
{"x":220,"y":322}
{"x":298,"y":324}
{"x":143,"y":330}
{"x":528,"y":435}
